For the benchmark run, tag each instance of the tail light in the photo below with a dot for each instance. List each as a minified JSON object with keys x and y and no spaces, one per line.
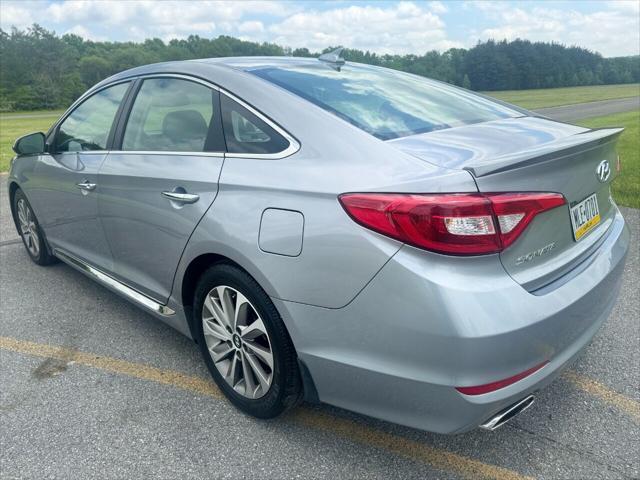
{"x":493,"y":386}
{"x":455,"y":224}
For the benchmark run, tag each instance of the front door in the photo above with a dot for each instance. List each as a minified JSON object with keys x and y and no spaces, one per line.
{"x":159,"y":184}
{"x":65,"y":190}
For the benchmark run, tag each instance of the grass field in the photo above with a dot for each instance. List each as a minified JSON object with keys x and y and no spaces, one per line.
{"x":14,"y":125}
{"x":553,"y":97}
{"x":626,"y":188}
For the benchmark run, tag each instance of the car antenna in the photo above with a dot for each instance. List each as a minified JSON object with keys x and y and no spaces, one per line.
{"x":333,"y":58}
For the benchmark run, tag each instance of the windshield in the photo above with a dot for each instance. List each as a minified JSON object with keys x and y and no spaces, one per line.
{"x":385,"y":103}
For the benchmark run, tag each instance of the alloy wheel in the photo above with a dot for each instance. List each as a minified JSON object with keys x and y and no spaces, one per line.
{"x":237,"y":341}
{"x":28,"y":228}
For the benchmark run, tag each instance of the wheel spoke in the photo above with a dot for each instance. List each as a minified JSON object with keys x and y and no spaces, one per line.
{"x":232,"y":373}
{"x":224,"y":294}
{"x":215,"y":330}
{"x":22,"y":214}
{"x":249,"y":383}
{"x":254,"y":330}
{"x":216,"y":310}
{"x":261,"y":352}
{"x":221,"y":351}
{"x":240,"y":312}
{"x":35,"y":240}
{"x":259,"y":372}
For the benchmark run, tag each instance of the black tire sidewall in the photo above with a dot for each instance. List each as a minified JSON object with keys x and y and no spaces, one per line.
{"x":285,"y":390}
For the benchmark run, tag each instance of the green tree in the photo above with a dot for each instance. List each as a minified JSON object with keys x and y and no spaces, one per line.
{"x":466,"y":83}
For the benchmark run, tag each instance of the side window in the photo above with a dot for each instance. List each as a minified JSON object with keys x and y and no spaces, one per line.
{"x":246,"y":133}
{"x":174,"y":115}
{"x":88,"y":126}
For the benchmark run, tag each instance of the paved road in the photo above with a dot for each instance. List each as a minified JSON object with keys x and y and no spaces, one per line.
{"x":579,"y":111}
{"x":93,"y":387}
{"x":30,"y":115}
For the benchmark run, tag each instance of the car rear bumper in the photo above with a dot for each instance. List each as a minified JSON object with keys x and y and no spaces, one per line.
{"x":427,"y":323}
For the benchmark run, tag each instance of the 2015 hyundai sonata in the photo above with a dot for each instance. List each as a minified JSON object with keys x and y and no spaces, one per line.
{"x":337,"y":232}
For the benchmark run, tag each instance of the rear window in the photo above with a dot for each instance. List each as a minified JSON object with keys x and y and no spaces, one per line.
{"x":385,"y":103}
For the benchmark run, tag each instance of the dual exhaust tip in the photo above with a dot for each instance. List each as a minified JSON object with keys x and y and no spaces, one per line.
{"x":508,"y":413}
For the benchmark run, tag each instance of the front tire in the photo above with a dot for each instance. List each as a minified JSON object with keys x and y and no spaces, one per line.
{"x":244,"y":343}
{"x":30,"y":231}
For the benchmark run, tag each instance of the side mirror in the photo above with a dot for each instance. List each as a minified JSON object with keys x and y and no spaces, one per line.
{"x":30,"y":144}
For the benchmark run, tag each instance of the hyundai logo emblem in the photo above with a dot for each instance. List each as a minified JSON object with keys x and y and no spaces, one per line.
{"x":603,"y":172}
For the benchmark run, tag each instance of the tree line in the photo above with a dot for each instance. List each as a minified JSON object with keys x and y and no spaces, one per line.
{"x":42,"y":70}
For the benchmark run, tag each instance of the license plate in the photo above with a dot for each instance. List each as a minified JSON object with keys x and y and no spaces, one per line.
{"x":585,"y":216}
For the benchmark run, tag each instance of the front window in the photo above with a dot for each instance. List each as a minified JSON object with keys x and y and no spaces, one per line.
{"x":88,"y":126}
{"x":385,"y":103}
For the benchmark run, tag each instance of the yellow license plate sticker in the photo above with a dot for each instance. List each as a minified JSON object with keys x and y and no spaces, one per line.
{"x":585,"y":216}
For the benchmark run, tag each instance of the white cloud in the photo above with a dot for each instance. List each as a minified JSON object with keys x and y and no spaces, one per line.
{"x":15,"y":15}
{"x":85,"y":33}
{"x":251,"y":27}
{"x":438,"y":7}
{"x":142,"y":19}
{"x":612,"y":32}
{"x":403,"y":28}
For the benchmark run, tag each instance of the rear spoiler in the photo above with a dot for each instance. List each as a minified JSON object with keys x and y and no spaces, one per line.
{"x":549,"y":151}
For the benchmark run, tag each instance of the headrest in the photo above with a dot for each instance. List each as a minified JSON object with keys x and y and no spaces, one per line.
{"x":184,"y":124}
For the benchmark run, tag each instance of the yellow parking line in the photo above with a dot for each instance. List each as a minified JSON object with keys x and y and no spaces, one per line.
{"x":440,"y":459}
{"x":113,"y":365}
{"x":625,"y":404}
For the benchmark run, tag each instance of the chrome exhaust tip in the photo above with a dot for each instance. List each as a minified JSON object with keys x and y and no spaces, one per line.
{"x":507,"y":414}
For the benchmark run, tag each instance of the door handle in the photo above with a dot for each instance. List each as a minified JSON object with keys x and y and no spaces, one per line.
{"x":181,"y":197}
{"x":86,"y":185}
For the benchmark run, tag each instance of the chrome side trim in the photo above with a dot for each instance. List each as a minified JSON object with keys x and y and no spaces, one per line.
{"x":507,"y":414}
{"x":114,"y":284}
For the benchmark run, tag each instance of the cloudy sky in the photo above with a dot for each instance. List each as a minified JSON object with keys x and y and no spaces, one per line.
{"x":609,"y":27}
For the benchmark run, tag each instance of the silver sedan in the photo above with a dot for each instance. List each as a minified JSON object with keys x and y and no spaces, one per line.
{"x":335,"y":232}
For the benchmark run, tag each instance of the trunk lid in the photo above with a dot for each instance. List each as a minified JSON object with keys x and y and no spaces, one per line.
{"x":532,"y":154}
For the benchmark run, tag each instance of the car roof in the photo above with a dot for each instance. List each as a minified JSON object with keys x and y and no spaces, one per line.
{"x":246,"y":63}
{"x":204,"y":66}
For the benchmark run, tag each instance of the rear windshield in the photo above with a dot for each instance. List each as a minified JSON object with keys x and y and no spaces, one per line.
{"x":385,"y":103}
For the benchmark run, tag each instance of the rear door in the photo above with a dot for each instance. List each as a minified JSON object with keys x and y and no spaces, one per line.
{"x":160,"y":178}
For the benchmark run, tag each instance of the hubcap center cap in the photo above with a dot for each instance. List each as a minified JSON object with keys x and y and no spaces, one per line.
{"x":236,"y":341}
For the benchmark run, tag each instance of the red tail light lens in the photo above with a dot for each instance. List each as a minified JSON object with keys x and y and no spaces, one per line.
{"x":493,"y":386}
{"x":455,"y":224}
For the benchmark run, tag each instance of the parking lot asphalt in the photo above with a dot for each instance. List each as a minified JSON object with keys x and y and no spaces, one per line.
{"x":92,"y":387}
{"x":580,"y":111}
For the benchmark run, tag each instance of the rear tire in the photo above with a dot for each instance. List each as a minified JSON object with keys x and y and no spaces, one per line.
{"x":247,"y":348}
{"x":30,"y":231}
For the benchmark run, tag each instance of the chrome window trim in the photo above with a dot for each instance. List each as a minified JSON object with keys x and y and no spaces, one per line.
{"x":293,"y":147}
{"x":83,"y":152}
{"x":160,"y":152}
{"x":107,"y":280}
